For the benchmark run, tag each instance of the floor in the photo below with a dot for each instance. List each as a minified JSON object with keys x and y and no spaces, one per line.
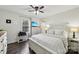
{"x":23,"y":48}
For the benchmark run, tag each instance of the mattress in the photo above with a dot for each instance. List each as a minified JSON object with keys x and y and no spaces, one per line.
{"x":51,"y":43}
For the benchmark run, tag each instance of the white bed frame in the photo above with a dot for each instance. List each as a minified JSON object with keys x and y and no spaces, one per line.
{"x":40,"y":49}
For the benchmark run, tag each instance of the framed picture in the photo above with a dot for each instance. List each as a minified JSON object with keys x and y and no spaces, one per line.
{"x":35,"y":24}
{"x":8,"y":21}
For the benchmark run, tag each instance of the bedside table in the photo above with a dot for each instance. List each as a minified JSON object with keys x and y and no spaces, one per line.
{"x":73,"y":44}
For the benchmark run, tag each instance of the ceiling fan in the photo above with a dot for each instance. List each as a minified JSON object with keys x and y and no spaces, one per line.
{"x":36,"y":9}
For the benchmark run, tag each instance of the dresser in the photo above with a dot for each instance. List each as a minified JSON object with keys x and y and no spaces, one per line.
{"x":74,"y":44}
{"x":3,"y":42}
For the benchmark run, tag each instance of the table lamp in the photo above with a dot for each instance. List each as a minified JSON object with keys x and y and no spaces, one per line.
{"x":74,"y":30}
{"x":45,"y":27}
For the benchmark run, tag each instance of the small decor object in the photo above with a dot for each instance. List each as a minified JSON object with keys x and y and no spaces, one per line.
{"x":8,"y":21}
{"x":21,"y":33}
{"x":22,"y":36}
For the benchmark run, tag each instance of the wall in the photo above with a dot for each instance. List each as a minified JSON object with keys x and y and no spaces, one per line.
{"x":71,"y":16}
{"x":13,"y":28}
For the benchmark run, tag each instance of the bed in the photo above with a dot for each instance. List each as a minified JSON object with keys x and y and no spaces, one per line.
{"x":44,"y":44}
{"x":54,"y":42}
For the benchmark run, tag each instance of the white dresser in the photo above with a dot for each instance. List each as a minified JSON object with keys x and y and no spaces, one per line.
{"x":3,"y":42}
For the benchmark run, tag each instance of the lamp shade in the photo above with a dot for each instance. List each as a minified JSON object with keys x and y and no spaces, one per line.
{"x":45,"y":26}
{"x":74,"y":29}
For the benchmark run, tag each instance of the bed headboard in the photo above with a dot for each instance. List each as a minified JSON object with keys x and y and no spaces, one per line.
{"x":57,"y":29}
{"x":58,"y":26}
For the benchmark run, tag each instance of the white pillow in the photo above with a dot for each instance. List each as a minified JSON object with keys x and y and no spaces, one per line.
{"x":59,"y":32}
{"x":51,"y":31}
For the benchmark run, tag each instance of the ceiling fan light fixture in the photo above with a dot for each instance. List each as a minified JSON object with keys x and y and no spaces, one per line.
{"x":36,"y":12}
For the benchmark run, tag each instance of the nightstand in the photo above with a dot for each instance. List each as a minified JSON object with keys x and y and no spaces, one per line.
{"x":73,"y":44}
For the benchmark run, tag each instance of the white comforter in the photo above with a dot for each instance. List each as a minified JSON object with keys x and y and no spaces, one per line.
{"x":52,"y":43}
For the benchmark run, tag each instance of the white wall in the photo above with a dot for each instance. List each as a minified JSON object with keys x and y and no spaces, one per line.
{"x":71,"y":16}
{"x":12,"y":28}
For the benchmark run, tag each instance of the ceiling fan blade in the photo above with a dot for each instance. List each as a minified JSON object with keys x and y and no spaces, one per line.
{"x":41,"y":7}
{"x":30,"y":10}
{"x":32,"y":6}
{"x":41,"y":11}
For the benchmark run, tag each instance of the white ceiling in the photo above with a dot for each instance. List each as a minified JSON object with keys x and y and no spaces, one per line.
{"x":48,"y":10}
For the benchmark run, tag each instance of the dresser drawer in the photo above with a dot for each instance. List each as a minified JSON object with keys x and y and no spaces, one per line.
{"x":1,"y":40}
{"x":5,"y":49}
{"x":3,"y":44}
{"x":2,"y":52}
{"x":1,"y":47}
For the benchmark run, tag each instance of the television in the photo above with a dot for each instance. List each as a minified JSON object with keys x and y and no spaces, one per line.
{"x":35,"y":24}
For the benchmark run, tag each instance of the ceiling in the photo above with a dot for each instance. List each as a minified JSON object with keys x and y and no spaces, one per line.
{"x":48,"y":10}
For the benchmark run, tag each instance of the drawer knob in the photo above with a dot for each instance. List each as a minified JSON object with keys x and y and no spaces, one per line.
{"x":2,"y":40}
{"x":1,"y":50}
